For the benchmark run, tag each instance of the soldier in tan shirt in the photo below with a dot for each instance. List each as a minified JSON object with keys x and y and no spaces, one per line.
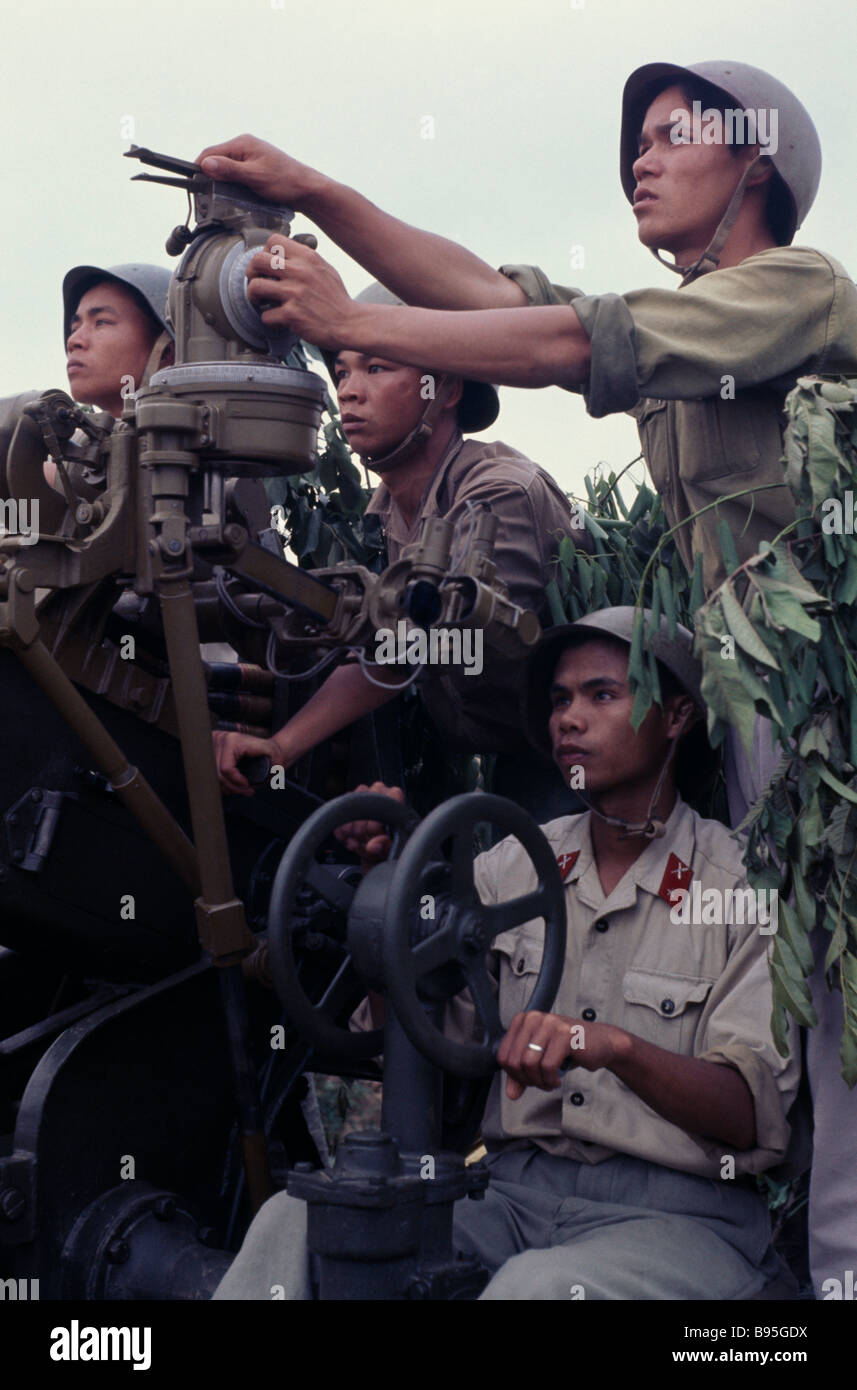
{"x":626,"y":1176}
{"x":428,"y":469}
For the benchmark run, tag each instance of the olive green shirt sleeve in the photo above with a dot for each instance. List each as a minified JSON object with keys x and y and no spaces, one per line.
{"x":780,"y":313}
{"x":608,"y":324}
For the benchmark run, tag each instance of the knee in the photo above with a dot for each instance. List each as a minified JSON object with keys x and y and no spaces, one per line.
{"x":272,"y":1262}
{"x":536,"y":1275}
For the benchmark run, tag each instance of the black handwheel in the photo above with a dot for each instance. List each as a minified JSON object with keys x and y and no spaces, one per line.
{"x":315,"y":1020}
{"x":467,"y":926}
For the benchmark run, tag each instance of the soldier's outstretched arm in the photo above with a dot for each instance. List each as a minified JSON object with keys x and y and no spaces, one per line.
{"x":536,"y":346}
{"x":418,"y":266}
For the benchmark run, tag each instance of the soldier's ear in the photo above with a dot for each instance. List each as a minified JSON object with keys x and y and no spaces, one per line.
{"x":454,"y":392}
{"x":682,"y":714}
{"x":168,"y":356}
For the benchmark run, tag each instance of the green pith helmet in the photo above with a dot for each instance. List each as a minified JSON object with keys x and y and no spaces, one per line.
{"x":692,"y":756}
{"x":480,"y":402}
{"x":676,"y":654}
{"x":797,"y":160}
{"x":148,"y":283}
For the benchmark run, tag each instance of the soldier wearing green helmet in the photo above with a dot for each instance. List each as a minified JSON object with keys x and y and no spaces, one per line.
{"x":408,"y":426}
{"x":704,"y":371}
{"x":116,"y":335}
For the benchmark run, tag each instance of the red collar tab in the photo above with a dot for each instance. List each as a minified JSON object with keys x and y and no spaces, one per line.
{"x":677,"y":876}
{"x":567,"y":862}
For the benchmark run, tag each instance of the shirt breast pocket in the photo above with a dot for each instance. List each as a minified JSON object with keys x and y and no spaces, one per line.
{"x":651,"y":418}
{"x":720,"y":438}
{"x":520,"y":962}
{"x":664,"y":1009}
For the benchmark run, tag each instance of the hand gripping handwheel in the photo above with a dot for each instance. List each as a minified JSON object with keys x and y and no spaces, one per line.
{"x":465,"y":926}
{"x":315,"y":1021}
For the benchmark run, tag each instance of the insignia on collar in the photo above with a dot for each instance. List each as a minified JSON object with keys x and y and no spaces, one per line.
{"x":567,"y":862}
{"x":677,"y":875}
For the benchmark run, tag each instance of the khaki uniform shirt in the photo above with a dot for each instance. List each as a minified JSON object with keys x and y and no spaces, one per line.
{"x":696,"y":990}
{"x":675,"y":359}
{"x":699,"y":990}
{"x":481,"y":712}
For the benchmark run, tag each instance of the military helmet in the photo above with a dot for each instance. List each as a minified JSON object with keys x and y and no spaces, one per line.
{"x":480,"y":402}
{"x":148,"y":283}
{"x":797,"y":160}
{"x":674,"y":653}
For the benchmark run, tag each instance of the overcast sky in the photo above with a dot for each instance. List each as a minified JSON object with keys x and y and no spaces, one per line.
{"x":522,"y":165}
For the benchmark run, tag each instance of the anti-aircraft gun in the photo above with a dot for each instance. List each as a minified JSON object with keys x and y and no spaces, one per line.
{"x":100,"y":627}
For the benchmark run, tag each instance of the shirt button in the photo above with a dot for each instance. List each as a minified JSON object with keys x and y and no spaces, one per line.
{"x":519,"y":966}
{"x":601,"y":926}
{"x":576,"y":1098}
{"x":588,"y":1015}
{"x":667,"y":1006}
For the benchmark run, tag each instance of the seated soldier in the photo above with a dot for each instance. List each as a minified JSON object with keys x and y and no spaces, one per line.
{"x":427,"y":470}
{"x":628,"y":1175}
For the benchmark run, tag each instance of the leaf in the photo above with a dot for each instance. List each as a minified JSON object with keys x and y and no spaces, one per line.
{"x":636,"y":671}
{"x":742,"y":629}
{"x":841,"y":831}
{"x":788,"y":613}
{"x":568,"y":552}
{"x":835,"y":785}
{"x":794,"y":995}
{"x":813,"y":741}
{"x":727,"y":545}
{"x":697,"y":593}
{"x":846,"y":591}
{"x":836,"y":947}
{"x":557,"y":612}
{"x":667,"y":598}
{"x":813,"y":827}
{"x":796,"y":928}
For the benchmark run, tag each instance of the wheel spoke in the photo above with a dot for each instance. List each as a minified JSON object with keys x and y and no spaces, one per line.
{"x":462,"y":867}
{"x":502,"y":917}
{"x":437,"y":949}
{"x":339,"y":992}
{"x":335,"y":890}
{"x":484,"y":998}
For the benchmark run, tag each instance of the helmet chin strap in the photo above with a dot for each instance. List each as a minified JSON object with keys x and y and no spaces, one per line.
{"x":712,"y":252}
{"x":652,"y":828}
{"x":153,"y":362}
{"x":419,"y":435}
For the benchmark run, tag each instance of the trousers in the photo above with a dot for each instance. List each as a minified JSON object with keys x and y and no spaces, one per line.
{"x":551,"y":1228}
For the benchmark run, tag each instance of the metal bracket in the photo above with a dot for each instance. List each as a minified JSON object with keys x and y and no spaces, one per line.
{"x":17,"y":1199}
{"x":31,"y":825}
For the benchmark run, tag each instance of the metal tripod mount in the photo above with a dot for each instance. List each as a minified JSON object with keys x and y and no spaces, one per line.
{"x":227,"y":408}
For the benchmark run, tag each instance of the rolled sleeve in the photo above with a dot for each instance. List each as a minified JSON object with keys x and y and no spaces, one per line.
{"x":773,"y":1131}
{"x":609,"y":325}
{"x":735,"y":1031}
{"x":781,"y":311}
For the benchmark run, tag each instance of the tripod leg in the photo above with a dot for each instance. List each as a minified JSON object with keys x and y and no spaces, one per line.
{"x":220,"y":915}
